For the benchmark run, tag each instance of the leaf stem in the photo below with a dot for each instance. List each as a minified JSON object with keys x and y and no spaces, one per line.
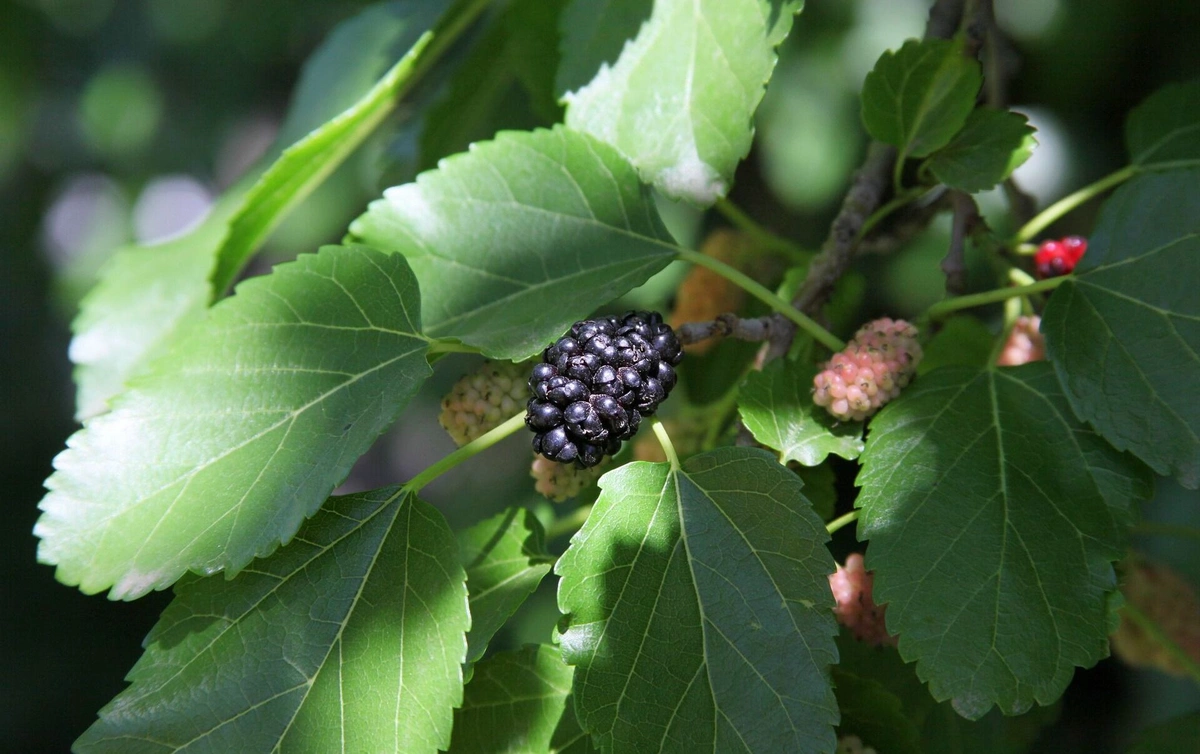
{"x":1155,"y":632}
{"x":473,"y":448}
{"x":841,"y":521}
{"x":748,"y":284}
{"x":1070,"y":202}
{"x":881,"y":214}
{"x":946,"y":306}
{"x":1153,"y":528}
{"x":568,"y":524}
{"x":665,"y":441}
{"x":748,"y":225}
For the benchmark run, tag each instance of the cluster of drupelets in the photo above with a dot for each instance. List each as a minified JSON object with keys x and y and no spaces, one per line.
{"x":483,"y":399}
{"x":856,"y":609}
{"x":1054,"y":258}
{"x":870,"y":371}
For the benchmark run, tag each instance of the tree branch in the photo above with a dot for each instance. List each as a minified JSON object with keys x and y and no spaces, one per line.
{"x":966,"y":215}
{"x":726,"y":325}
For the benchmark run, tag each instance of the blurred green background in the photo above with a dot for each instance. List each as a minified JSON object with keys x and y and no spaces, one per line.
{"x":121,"y":120}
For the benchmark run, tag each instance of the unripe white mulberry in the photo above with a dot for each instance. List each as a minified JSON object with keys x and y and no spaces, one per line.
{"x":483,"y":399}
{"x":856,"y":609}
{"x":1025,"y":343}
{"x":563,"y":481}
{"x":852,"y":745}
{"x":871,"y":370}
{"x":1168,"y":600}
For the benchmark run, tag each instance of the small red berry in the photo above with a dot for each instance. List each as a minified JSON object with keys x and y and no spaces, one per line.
{"x":1054,"y":258}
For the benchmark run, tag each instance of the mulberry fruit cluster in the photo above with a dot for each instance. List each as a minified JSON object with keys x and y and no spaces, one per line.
{"x":1168,"y":600}
{"x":1054,"y":258}
{"x":482,"y":400}
{"x":1025,"y":343}
{"x":870,"y":371}
{"x":562,"y":481}
{"x":596,"y":383}
{"x":856,"y":609}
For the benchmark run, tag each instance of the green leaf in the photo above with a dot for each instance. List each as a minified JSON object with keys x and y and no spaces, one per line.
{"x":994,"y":517}
{"x":569,"y":736}
{"x":148,"y":295}
{"x":1177,"y":736}
{"x":520,"y":237}
{"x":680,"y":100}
{"x":241,"y":429}
{"x":144,"y":296}
{"x":369,"y":39}
{"x":776,"y":406}
{"x":505,"y":83}
{"x":963,"y":341}
{"x":1165,"y":128}
{"x":593,"y":34}
{"x":1124,"y":332}
{"x":918,"y":97}
{"x":820,"y":487}
{"x":991,"y":145}
{"x":505,"y":557}
{"x":699,"y":610}
{"x":513,"y":703}
{"x":874,"y":714}
{"x":350,"y":638}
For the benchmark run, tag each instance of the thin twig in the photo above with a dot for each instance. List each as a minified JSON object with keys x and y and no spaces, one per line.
{"x":966,"y":214}
{"x":728,"y":325}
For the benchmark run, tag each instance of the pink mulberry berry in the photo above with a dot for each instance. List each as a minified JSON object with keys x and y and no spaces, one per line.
{"x":563,"y":481}
{"x":870,"y":371}
{"x":856,"y":609}
{"x":483,"y":399}
{"x":852,"y":745}
{"x":1168,"y":600}
{"x":1024,"y":344}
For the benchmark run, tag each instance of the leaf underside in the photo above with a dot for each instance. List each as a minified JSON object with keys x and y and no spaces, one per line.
{"x":517,"y":239}
{"x":241,"y":429}
{"x":1124,"y":332}
{"x":699,"y":610}
{"x":351,"y":638}
{"x":994,"y":517}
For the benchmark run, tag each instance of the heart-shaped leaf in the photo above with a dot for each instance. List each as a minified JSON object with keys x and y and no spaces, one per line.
{"x":241,"y":429}
{"x":351,"y":638}
{"x":991,"y":145}
{"x":698,"y":610}
{"x":520,"y":237}
{"x":994,"y":517}
{"x":679,"y":102}
{"x":1124,"y":332}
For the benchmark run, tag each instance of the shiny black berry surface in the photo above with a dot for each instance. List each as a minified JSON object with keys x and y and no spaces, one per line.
{"x":597,"y":382}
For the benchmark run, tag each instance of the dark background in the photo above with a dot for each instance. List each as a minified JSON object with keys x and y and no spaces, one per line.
{"x":119,"y":117}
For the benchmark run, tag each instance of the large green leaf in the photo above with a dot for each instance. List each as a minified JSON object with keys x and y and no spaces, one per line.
{"x":513,"y":703}
{"x":699,"y":610}
{"x":1164,"y":130}
{"x":569,"y":736}
{"x":918,"y":97}
{"x":963,"y":341}
{"x":505,"y":83}
{"x":518,"y":238}
{"x":991,"y":145}
{"x":506,"y":559}
{"x":593,"y":34}
{"x":144,"y":296}
{"x":776,"y":406}
{"x":875,"y":714}
{"x":1124,"y":332}
{"x":241,"y":429}
{"x":351,"y":638}
{"x":679,"y":102}
{"x":994,"y":517}
{"x":147,"y":295}
{"x":369,"y":39}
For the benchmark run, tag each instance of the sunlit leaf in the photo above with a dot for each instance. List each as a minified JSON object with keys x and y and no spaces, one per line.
{"x":679,"y":102}
{"x":698,"y":610}
{"x":351,"y":638}
{"x":994,"y":517}
{"x":520,"y":237}
{"x":241,"y":429}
